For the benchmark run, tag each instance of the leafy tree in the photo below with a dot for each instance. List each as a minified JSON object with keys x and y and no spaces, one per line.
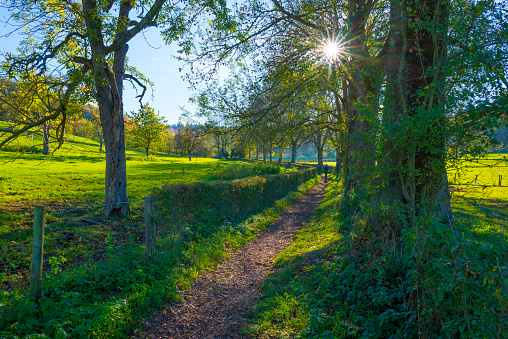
{"x":31,"y":102}
{"x":146,"y":128}
{"x":84,"y":44}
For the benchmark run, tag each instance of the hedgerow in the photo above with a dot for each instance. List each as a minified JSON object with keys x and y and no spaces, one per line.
{"x":205,"y":205}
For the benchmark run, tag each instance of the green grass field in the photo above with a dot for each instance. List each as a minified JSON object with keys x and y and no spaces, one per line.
{"x":70,"y":184}
{"x":75,"y":174}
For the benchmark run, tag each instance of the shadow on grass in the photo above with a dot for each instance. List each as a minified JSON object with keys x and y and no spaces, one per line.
{"x":484,"y":220}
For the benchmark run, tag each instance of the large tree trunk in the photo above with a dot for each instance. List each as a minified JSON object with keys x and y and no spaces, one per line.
{"x":360,"y":109}
{"x":427,"y":76}
{"x":45,"y":138}
{"x":294,"y":148}
{"x":280,"y":156}
{"x":394,"y":140}
{"x":189,"y":154}
{"x":413,"y":165}
{"x":109,"y":85}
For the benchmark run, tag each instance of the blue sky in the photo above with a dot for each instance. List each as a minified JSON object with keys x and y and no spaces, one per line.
{"x":169,"y":92}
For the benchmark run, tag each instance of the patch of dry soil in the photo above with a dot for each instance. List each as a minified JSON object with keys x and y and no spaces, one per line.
{"x":217,"y":304}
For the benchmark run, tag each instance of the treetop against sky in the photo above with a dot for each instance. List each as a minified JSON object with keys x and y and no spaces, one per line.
{"x":151,"y":56}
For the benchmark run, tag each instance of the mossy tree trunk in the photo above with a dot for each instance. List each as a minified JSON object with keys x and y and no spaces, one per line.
{"x":412,"y":164}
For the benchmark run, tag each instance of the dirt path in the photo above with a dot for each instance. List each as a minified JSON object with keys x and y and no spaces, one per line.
{"x":217,"y":304}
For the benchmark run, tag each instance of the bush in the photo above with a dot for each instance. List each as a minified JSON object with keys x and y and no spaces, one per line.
{"x":16,"y":148}
{"x":150,"y":158}
{"x":206,"y":205}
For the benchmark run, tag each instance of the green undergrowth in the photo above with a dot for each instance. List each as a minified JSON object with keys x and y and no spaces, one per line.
{"x":373,"y":274}
{"x":110,"y":298}
{"x":204,"y":205}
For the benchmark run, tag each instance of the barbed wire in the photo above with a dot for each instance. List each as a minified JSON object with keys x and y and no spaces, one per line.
{"x":13,"y":248}
{"x":96,"y":232}
{"x":90,"y":206}
{"x":71,"y":236}
{"x":66,"y":267}
{"x":14,"y":284}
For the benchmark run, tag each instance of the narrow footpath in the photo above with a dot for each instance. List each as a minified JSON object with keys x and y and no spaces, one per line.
{"x":218,"y":302}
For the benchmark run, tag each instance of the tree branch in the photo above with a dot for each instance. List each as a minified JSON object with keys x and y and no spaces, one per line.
{"x":140,"y":84}
{"x":83,"y":61}
{"x":147,"y":21}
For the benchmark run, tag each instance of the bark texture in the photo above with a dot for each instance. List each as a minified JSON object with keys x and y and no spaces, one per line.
{"x":413,"y":160}
{"x":109,"y":86}
{"x":361,"y":99}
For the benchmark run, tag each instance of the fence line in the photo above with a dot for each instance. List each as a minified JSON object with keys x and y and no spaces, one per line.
{"x":39,"y":265}
{"x":13,"y":248}
{"x":96,"y":232}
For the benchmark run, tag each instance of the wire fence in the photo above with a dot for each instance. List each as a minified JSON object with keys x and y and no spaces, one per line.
{"x":72,"y":237}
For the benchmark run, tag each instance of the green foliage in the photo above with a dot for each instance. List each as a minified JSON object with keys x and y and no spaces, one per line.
{"x":145,"y":128}
{"x":461,"y":275}
{"x":206,"y":205}
{"x":347,"y":275}
{"x":106,"y":299}
{"x":327,"y":287}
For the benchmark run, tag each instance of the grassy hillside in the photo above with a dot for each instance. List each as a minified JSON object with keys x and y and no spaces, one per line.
{"x":75,"y":173}
{"x":98,"y":279}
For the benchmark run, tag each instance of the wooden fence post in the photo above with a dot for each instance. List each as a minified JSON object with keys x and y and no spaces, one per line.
{"x":149,"y":229}
{"x":37,"y":253}
{"x":500,"y":180}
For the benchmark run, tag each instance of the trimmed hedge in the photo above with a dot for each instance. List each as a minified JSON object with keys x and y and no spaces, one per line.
{"x":198,"y":208}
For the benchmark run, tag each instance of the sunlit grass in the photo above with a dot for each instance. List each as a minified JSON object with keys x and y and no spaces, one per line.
{"x":75,"y":173}
{"x":286,"y":303}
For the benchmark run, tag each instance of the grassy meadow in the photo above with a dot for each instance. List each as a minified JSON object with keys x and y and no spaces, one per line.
{"x":70,"y":184}
{"x":75,"y":173}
